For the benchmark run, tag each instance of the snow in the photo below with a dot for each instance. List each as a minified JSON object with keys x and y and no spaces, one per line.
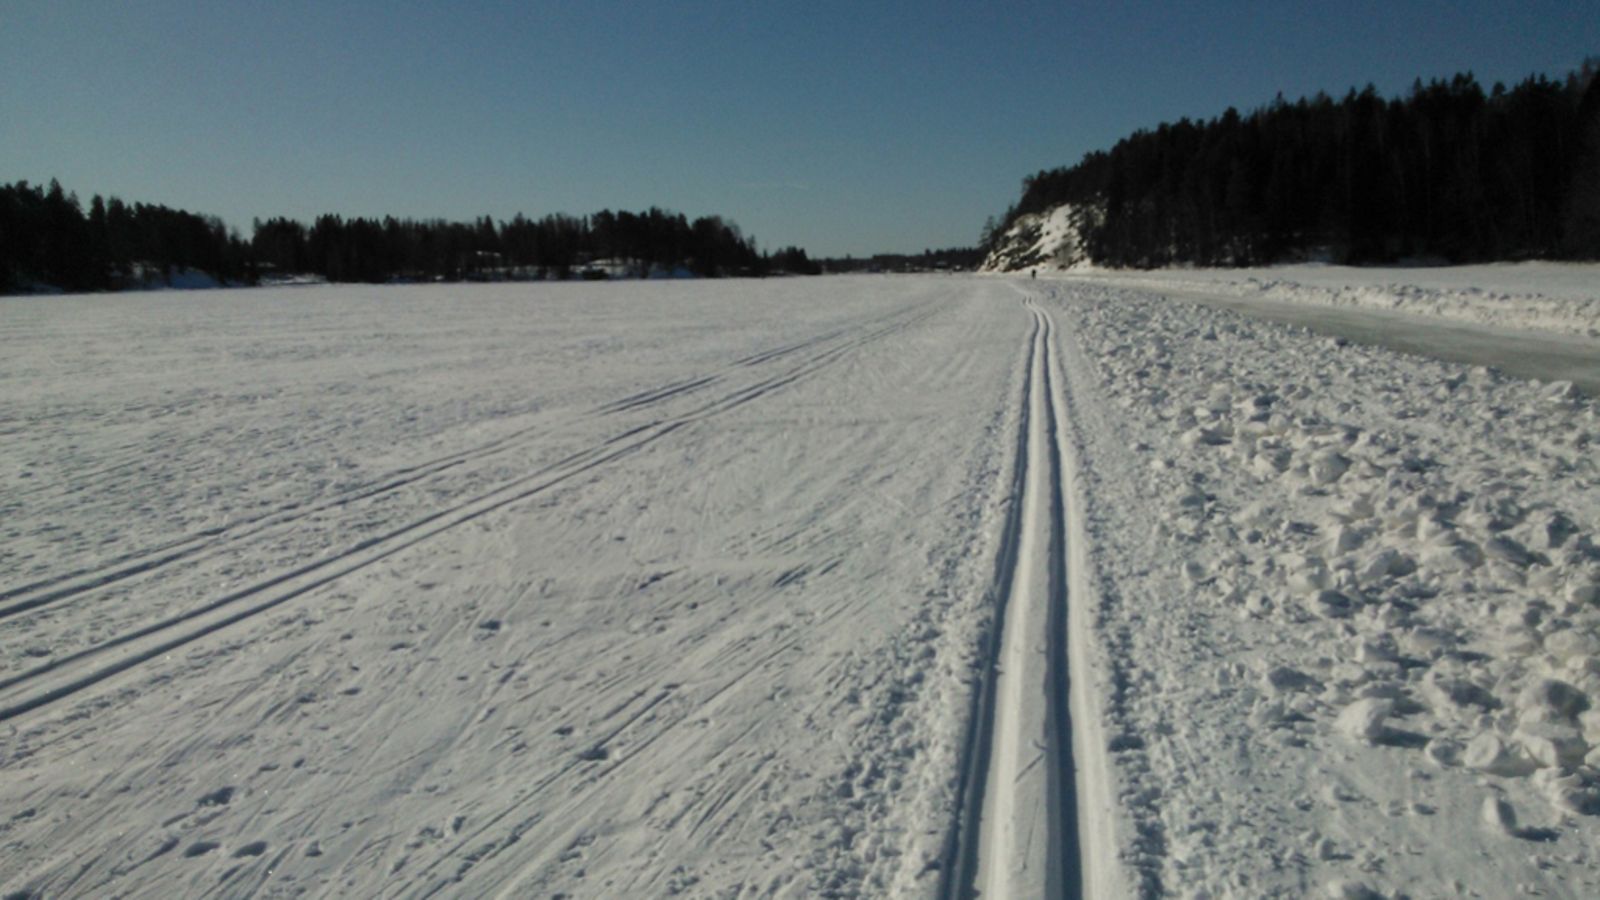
{"x":1561,"y":298}
{"x":630,"y":588}
{"x":1438,"y":331}
{"x":1548,"y":296}
{"x":1049,"y":240}
{"x":643,"y":588}
{"x":1558,"y":297}
{"x":1348,"y":597}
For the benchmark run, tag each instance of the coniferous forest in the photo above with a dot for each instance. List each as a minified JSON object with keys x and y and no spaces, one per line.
{"x":1449,"y":172}
{"x":47,"y":239}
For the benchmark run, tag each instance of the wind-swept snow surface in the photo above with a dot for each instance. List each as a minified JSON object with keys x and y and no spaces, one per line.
{"x":603,"y":590}
{"x":842,"y":587}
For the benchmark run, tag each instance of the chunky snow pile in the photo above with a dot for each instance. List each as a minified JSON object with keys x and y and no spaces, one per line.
{"x":1559,"y":297}
{"x":1051,"y":240}
{"x":1353,"y":608}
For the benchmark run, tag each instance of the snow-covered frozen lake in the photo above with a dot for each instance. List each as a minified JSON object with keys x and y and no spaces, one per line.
{"x":845,"y":586}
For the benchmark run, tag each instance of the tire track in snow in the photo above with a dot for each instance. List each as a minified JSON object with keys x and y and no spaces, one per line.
{"x":49,"y":592}
{"x":71,"y":674}
{"x":1019,"y":831}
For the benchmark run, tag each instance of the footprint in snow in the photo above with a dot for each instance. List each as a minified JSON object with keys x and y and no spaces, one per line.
{"x":219,"y":797}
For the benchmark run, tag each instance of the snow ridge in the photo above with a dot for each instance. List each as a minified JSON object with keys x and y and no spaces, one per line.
{"x":1532,"y":296}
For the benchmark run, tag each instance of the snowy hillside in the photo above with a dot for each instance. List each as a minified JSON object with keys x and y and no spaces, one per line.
{"x":1542,"y":296}
{"x":828,"y":587}
{"x":1048,"y":241}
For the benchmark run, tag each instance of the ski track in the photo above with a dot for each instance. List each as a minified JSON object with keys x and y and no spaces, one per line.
{"x":30,"y":596}
{"x":1019,"y":834}
{"x":67,"y":675}
{"x":49,"y":589}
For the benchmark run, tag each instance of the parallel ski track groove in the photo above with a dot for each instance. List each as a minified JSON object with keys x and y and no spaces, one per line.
{"x":960,"y":866}
{"x":1064,"y":806}
{"x":27,"y":691}
{"x":962,"y":862}
{"x":57,"y":588}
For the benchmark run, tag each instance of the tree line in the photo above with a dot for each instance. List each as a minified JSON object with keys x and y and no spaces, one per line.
{"x":1448,"y":172}
{"x":655,"y":242}
{"x":951,"y":259}
{"x":48,"y":240}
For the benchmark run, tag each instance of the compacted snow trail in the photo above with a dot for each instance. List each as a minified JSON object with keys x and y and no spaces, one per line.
{"x":1019,"y":835}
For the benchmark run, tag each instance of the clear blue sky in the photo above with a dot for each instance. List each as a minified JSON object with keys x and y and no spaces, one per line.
{"x":842,"y":127}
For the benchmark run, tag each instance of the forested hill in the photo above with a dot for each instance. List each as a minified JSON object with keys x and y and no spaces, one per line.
{"x":1449,"y":172}
{"x":49,"y":241}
